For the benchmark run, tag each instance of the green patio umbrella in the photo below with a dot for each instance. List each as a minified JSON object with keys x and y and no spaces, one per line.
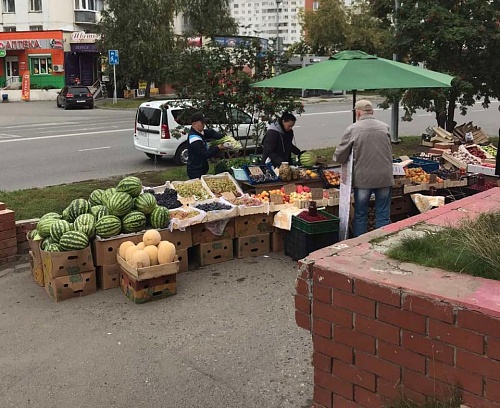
{"x":352,"y":70}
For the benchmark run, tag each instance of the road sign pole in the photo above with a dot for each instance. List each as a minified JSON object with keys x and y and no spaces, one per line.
{"x":114,"y":88}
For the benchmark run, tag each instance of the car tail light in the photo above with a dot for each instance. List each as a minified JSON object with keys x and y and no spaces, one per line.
{"x":89,"y":95}
{"x":165,"y":132}
{"x":69,"y":95}
{"x":135,"y":128}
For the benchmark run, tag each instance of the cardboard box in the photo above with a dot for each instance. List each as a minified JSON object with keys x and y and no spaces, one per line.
{"x":149,"y":272}
{"x":254,"y":225}
{"x":487,"y":171}
{"x":254,"y":245}
{"x":278,"y":239}
{"x":214,"y":252}
{"x":58,"y":264}
{"x":182,"y":255}
{"x":200,"y":234}
{"x":67,"y":287}
{"x":36,"y":269}
{"x":181,"y":239}
{"x":147,"y":290}
{"x":105,"y":250}
{"x":35,"y":248}
{"x":401,"y":205}
{"x":108,"y":276}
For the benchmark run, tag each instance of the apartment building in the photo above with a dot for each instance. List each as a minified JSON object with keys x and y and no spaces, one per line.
{"x":53,"y":40}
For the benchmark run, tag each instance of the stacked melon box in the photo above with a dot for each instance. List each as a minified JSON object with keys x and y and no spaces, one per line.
{"x":149,"y":268}
{"x":253,"y":233}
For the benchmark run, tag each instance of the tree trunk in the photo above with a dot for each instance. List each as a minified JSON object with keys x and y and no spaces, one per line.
{"x":147,"y":93}
{"x":450,"y":117}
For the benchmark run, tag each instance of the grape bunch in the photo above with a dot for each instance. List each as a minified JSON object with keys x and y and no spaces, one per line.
{"x":166,"y":199}
{"x":215,"y":206}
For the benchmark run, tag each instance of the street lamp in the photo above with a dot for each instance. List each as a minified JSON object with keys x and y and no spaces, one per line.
{"x":278,"y":2}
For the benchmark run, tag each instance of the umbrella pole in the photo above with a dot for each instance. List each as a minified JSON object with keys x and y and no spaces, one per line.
{"x":353,"y":105}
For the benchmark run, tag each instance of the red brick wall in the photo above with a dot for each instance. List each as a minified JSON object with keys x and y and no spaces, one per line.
{"x":8,"y":240}
{"x":373,"y":343}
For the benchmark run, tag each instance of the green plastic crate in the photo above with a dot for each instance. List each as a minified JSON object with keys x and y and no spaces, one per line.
{"x":330,"y":225}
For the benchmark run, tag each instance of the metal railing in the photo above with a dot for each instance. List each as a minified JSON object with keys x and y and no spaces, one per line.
{"x":10,"y":81}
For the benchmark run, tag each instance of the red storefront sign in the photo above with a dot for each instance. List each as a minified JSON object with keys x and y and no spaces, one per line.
{"x":25,"y":89}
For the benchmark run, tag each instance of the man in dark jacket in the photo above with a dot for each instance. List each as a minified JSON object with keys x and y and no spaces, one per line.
{"x":278,"y":142}
{"x":198,"y":150}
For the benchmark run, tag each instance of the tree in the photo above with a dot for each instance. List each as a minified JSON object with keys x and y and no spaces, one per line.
{"x":457,"y":37}
{"x":142,"y":33}
{"x":209,"y":18}
{"x":217,"y":80}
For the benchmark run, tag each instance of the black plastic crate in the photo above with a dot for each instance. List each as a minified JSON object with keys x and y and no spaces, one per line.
{"x":299,"y":244}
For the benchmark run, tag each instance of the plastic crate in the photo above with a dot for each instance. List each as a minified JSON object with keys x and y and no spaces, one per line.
{"x":427,"y":165}
{"x":319,"y":227}
{"x":299,"y":244}
{"x":268,"y":174}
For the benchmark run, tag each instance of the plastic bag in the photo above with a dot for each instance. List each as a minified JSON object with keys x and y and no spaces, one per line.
{"x":217,"y":227}
{"x":425,"y":203}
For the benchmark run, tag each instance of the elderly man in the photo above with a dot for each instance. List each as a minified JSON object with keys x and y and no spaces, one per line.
{"x":369,"y":141}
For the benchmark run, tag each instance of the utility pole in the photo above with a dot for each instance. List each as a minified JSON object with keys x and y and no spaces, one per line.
{"x":278,"y":2}
{"x":395,"y":103}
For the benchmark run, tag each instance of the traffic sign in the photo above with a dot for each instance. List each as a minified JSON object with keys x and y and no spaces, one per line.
{"x":3,"y":53}
{"x":113,"y":57}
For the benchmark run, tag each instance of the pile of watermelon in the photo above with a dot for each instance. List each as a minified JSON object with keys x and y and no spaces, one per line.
{"x":106,"y":213}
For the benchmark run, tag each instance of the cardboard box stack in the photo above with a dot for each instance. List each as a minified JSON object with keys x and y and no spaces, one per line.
{"x":253,"y":235}
{"x":8,"y":240}
{"x":182,"y":241}
{"x":69,"y":274}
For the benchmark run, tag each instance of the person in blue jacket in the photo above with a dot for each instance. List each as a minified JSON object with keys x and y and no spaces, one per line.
{"x":198,"y":150}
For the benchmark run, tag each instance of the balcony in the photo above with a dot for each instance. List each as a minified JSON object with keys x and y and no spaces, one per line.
{"x":85,"y":17}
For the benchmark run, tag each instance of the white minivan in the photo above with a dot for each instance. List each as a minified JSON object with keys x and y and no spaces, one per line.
{"x":157,"y":123}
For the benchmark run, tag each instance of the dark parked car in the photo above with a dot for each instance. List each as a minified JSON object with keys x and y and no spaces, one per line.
{"x":76,"y":95}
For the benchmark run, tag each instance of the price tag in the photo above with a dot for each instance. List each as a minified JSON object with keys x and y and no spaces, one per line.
{"x":276,"y":198}
{"x":398,"y":170}
{"x":432,"y":178}
{"x":228,"y":195}
{"x":289,"y":188}
{"x":316,"y":193}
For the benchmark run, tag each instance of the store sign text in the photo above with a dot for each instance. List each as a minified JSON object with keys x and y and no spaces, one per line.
{"x":83,"y":37}
{"x":20,"y":44}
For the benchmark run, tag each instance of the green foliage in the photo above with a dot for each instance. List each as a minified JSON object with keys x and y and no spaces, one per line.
{"x":209,"y":17}
{"x":142,"y":32}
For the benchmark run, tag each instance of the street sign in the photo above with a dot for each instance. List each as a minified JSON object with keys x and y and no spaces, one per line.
{"x":3,"y":53}
{"x":113,"y":57}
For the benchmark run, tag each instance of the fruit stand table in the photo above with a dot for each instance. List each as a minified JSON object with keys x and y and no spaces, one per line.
{"x":259,"y":188}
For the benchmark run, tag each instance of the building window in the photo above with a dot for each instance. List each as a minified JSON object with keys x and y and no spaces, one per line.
{"x":9,"y":6}
{"x":315,"y":5}
{"x":35,"y":5}
{"x":36,"y":28}
{"x":41,"y":65}
{"x":90,"y":5}
{"x":9,"y":29}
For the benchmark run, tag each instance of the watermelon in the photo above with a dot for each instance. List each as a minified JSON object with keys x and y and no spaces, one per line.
{"x":46,"y":242}
{"x":145,"y":203}
{"x":98,"y":211}
{"x":73,"y":241}
{"x":58,"y":228}
{"x":120,"y":204}
{"x":44,"y":225}
{"x":107,"y":194}
{"x":85,"y":223}
{"x":65,"y":215}
{"x":34,"y":235}
{"x":52,"y":248}
{"x":159,"y":217}
{"x":107,"y":226}
{"x":78,"y":207}
{"x":130,"y":185}
{"x":308,"y":159}
{"x":95,"y":197}
{"x":51,"y":215}
{"x":134,"y":221}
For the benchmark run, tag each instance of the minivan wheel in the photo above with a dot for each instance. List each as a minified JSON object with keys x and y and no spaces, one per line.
{"x":153,"y":156}
{"x":181,"y":155}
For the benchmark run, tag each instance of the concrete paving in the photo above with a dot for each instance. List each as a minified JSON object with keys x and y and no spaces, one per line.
{"x":227,"y":339}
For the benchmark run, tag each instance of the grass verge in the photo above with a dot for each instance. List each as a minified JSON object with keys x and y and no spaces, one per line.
{"x":473,"y":247}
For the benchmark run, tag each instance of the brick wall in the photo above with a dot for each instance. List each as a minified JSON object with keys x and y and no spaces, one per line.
{"x":373,"y":342}
{"x":378,"y":335}
{"x":8,"y":240}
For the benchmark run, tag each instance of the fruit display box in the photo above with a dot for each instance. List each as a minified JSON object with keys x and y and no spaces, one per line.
{"x":201,"y":233}
{"x":318,"y":227}
{"x":182,"y":255}
{"x":330,"y":176}
{"x":71,"y":286}
{"x":149,"y":272}
{"x":216,"y":215}
{"x":488,"y":171}
{"x":260,"y":174}
{"x":254,"y":245}
{"x":278,"y":239}
{"x":158,"y":189}
{"x":105,"y":250}
{"x":58,"y":264}
{"x":36,"y":269}
{"x":190,"y":191}
{"x":253,"y":225}
{"x":221,"y":183}
{"x":264,"y":208}
{"x":213,"y":252}
{"x":148,"y":290}
{"x":108,"y":276}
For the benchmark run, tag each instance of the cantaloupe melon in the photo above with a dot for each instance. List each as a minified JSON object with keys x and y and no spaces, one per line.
{"x":151,"y":237}
{"x":152,"y":251}
{"x":123,"y":248}
{"x":166,"y":252}
{"x":141,"y":245}
{"x":140,"y":259}
{"x":130,"y":252}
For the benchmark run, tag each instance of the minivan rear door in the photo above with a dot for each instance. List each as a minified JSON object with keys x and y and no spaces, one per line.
{"x":148,"y":126}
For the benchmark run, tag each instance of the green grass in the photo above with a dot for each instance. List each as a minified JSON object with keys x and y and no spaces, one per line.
{"x":473,"y":248}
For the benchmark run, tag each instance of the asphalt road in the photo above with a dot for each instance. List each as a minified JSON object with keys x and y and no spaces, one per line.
{"x":41,"y":145}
